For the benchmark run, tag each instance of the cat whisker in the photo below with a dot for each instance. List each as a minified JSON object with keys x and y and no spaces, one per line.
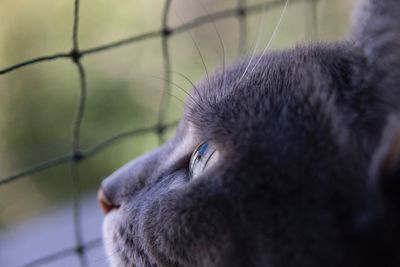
{"x":220,"y":41}
{"x":190,"y":97}
{"x":190,"y":81}
{"x":104,"y":258}
{"x":256,"y":42}
{"x":163,"y":90}
{"x":197,"y":48}
{"x":272,"y":35}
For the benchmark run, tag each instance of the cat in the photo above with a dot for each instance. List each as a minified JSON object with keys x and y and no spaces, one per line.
{"x":291,"y":158}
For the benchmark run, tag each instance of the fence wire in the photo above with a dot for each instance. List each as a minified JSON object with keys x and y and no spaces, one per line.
{"x":77,"y":154}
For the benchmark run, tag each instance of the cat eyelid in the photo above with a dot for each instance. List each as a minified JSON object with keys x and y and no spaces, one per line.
{"x":183,"y":161}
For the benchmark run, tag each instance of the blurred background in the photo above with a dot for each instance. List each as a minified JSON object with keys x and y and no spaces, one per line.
{"x":38,"y":103}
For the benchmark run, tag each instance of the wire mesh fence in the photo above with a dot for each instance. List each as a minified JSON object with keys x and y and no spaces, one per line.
{"x":77,"y":154}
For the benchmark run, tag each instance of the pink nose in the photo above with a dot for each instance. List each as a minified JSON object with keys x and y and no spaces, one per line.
{"x":104,"y":202}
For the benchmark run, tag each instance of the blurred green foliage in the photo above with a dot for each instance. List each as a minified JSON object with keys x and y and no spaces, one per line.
{"x":38,"y":103}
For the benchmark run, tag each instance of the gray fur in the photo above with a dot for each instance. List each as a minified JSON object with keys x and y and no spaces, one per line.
{"x":298,"y":182}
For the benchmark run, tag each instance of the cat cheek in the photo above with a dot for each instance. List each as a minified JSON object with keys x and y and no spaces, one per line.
{"x":177,"y":183}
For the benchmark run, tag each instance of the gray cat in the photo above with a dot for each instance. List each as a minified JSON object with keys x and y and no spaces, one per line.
{"x":294,"y":162}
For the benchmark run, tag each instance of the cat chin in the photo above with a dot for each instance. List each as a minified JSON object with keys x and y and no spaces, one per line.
{"x":109,"y":225}
{"x":118,"y":255}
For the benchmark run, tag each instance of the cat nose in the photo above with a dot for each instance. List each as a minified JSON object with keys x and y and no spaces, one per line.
{"x":104,"y":202}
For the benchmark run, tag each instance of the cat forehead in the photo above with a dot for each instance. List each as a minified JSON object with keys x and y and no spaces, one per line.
{"x":252,"y":78}
{"x":270,"y":92}
{"x":266,"y":74}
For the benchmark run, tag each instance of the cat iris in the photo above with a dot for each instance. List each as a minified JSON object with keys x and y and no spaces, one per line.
{"x":203,"y":156}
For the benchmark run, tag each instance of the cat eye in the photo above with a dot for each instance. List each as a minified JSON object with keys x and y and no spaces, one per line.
{"x":204,"y":156}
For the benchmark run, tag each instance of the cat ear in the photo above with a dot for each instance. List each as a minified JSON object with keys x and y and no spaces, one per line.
{"x":376,"y":26}
{"x":376,"y":36}
{"x":385,"y":167}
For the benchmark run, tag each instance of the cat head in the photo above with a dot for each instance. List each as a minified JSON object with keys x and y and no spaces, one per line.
{"x":287,"y":159}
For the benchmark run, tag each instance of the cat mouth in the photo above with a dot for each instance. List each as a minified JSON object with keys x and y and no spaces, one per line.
{"x":109,"y":242}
